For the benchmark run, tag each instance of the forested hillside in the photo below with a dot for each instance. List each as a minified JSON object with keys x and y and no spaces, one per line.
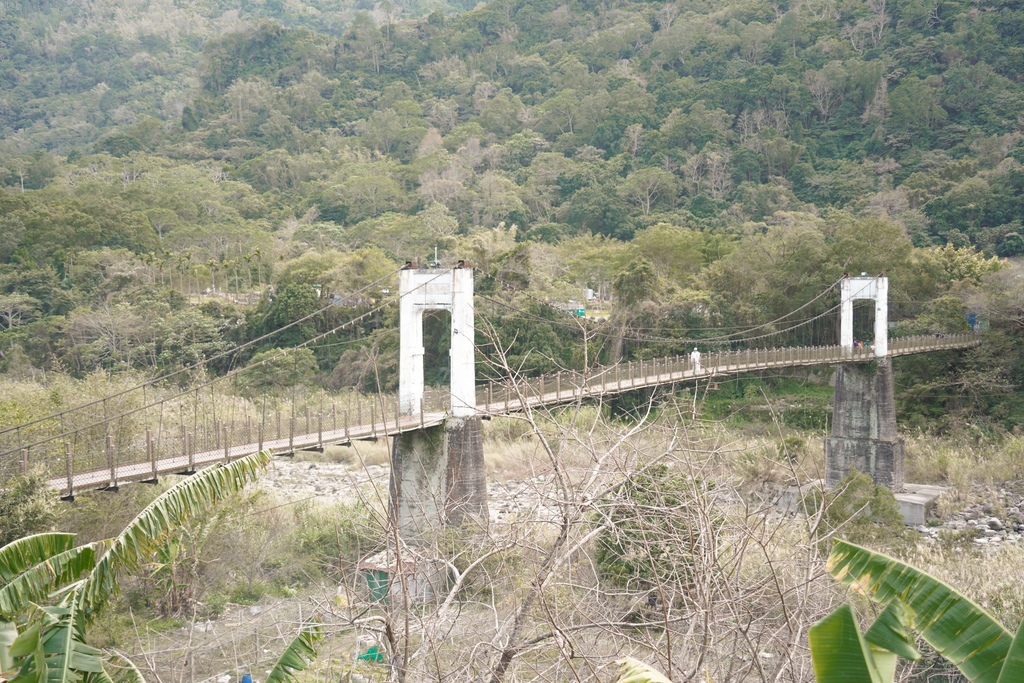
{"x":183,"y":177}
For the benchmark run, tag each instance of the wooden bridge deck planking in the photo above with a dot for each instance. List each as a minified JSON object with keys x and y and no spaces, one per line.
{"x":568,"y":387}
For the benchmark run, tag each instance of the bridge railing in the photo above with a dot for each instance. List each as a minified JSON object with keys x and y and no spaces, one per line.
{"x":127,"y":436}
{"x":571,"y":385}
{"x":194,"y":429}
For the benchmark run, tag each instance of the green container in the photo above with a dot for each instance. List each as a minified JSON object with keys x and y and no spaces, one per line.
{"x":372,"y":655}
{"x":377,"y":581}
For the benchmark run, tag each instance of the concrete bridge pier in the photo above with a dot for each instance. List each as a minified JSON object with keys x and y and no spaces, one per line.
{"x":864,"y":433}
{"x":437,"y":482}
{"x":437,"y":479}
{"x":437,"y":474}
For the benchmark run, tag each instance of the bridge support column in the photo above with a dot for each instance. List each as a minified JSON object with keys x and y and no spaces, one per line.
{"x":437,"y":479}
{"x":864,"y":426}
{"x":437,"y":473}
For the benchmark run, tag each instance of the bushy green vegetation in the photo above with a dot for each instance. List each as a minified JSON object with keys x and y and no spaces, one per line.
{"x":251,"y":546}
{"x":255,"y":546}
{"x":798,"y":403}
{"x":26,"y":507}
{"x":860,"y":511}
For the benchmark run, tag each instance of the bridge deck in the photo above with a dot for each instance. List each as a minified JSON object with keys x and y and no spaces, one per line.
{"x":101,"y":456}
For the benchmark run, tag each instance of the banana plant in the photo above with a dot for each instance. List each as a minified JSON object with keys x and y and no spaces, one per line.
{"x":957,"y":628}
{"x":192,"y":497}
{"x":914,"y":602}
{"x":299,"y":654}
{"x":52,"y":648}
{"x":841,"y":654}
{"x":118,"y":669}
{"x":31,"y":567}
{"x":46,"y":643}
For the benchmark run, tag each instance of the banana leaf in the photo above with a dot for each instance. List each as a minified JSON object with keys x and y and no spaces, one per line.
{"x":117,"y":669}
{"x":19,"y":556}
{"x":52,"y":648}
{"x":956,"y":627}
{"x":299,"y":654}
{"x":1013,"y":668}
{"x":50,"y":573}
{"x":8,"y":633}
{"x":839,"y":652}
{"x":194,"y":496}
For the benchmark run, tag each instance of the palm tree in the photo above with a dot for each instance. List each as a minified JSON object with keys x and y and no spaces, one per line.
{"x":257,"y":254}
{"x":164,"y":258}
{"x":248,"y":271}
{"x":230,"y":267}
{"x":184,"y":263}
{"x":212,"y":266}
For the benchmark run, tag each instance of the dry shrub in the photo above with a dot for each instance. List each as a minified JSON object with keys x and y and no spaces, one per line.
{"x":369,"y":453}
{"x":754,"y":579}
{"x":341,"y":455}
{"x":510,"y":460}
{"x":962,"y":461}
{"x":506,"y":429}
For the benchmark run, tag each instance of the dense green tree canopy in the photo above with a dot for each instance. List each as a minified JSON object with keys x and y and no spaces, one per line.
{"x":201,"y":174}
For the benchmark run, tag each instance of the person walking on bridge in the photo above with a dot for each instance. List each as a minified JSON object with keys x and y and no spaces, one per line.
{"x":695,"y":359}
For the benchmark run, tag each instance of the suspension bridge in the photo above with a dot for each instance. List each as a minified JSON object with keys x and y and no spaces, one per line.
{"x":141,"y":434}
